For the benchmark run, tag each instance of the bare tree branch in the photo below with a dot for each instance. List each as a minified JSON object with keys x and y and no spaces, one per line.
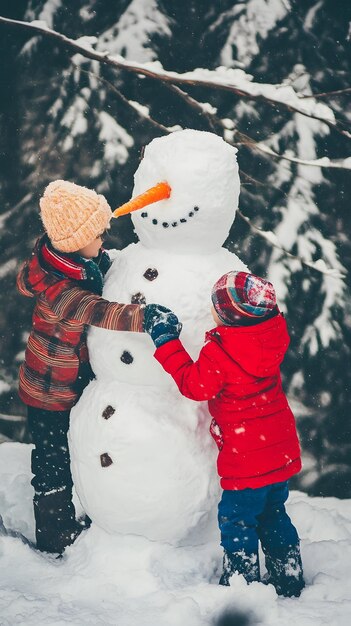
{"x":327,"y":94}
{"x":129,"y":103}
{"x":212,"y":120}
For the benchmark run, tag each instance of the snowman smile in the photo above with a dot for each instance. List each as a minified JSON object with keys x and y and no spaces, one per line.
{"x":182,"y":220}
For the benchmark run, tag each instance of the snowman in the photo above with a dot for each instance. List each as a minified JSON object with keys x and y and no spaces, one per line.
{"x":142,"y":459}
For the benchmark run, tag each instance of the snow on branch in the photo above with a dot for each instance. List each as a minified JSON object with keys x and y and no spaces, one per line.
{"x":222,"y":78}
{"x":209,"y":112}
{"x":236,"y":81}
{"x":230,"y":132}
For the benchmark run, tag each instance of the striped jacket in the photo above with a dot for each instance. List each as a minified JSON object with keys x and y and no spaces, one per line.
{"x":56,"y":357}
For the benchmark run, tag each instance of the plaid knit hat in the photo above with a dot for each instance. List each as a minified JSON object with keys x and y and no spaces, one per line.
{"x":73,"y":215}
{"x":240,"y":298}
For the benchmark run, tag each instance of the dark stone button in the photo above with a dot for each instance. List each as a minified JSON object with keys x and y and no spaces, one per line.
{"x":106,"y":414}
{"x":144,"y":214}
{"x":105,"y":459}
{"x":126,"y":357}
{"x":196,"y":208}
{"x":151,"y":273}
{"x":138,"y":298}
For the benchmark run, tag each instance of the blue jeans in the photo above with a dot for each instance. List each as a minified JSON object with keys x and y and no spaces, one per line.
{"x":249,"y":515}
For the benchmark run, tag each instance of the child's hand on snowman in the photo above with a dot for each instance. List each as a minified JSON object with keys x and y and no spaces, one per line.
{"x":161,"y":324}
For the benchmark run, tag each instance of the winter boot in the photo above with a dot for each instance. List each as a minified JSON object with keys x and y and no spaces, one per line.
{"x":239,"y":563}
{"x":56,"y":526}
{"x":285,"y":572}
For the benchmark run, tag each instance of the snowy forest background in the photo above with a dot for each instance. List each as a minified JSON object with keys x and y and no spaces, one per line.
{"x":66,"y":116}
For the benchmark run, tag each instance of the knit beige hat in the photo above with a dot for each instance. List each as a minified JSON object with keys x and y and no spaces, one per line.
{"x":73,"y":215}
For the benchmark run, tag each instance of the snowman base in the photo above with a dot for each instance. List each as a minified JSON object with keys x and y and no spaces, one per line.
{"x":140,"y":469}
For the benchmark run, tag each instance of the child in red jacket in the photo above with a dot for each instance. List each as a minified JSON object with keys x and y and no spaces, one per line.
{"x":238,"y":373}
{"x":65,"y":276}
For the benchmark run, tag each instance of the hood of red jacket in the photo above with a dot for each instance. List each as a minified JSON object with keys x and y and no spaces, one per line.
{"x":32,"y":279}
{"x":259,"y":350}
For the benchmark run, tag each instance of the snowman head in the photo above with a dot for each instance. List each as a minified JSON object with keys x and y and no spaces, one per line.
{"x":202,"y":172}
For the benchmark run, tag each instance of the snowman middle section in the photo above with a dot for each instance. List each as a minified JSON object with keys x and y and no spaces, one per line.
{"x":143,"y":461}
{"x":180,"y":282}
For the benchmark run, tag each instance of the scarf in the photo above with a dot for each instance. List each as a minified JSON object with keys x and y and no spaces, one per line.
{"x":88,"y":272}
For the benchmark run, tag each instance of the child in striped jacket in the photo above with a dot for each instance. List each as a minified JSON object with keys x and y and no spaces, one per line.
{"x":65,"y":276}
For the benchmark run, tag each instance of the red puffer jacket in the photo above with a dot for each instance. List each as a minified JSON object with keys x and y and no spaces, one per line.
{"x":238,"y":373}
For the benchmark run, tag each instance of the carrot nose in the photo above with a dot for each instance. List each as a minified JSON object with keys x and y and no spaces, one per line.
{"x":161,"y":191}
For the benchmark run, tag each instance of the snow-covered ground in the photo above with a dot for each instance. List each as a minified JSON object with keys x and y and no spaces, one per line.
{"x":130,"y":581}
